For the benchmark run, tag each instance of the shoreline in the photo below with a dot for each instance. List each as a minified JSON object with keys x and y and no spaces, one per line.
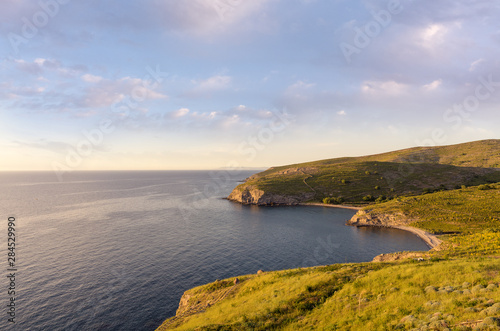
{"x":431,"y":240}
{"x":317,"y":204}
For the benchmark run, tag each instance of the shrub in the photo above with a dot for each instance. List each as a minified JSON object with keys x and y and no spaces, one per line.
{"x":377,"y":187}
{"x":368,"y":198}
{"x":338,"y":200}
{"x":327,"y":200}
{"x":367,"y":172}
{"x":485,"y":187}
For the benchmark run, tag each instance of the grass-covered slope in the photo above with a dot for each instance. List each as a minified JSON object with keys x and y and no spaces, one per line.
{"x":454,"y":294}
{"x":466,"y":210}
{"x":385,"y":176}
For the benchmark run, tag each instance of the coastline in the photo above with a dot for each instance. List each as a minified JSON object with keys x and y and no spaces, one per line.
{"x":430,"y":239}
{"x":317,"y":204}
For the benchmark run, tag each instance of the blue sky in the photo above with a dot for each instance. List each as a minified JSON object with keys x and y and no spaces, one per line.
{"x":205,"y":84}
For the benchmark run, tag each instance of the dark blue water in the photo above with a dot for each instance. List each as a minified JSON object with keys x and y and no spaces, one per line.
{"x":116,"y":250}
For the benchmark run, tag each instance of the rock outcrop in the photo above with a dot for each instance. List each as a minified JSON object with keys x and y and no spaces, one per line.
{"x":364,"y":218}
{"x":395,"y":221}
{"x":250,"y":195}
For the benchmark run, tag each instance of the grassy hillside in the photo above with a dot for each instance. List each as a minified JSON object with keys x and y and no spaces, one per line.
{"x":453,"y":288}
{"x":385,"y":176}
{"x":371,"y":296}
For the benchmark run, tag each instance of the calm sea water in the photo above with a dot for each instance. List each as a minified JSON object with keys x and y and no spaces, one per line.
{"x":116,"y":250}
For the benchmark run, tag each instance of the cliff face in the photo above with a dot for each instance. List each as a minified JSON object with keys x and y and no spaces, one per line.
{"x":396,"y":221}
{"x":362,"y":218}
{"x":249,"y":195}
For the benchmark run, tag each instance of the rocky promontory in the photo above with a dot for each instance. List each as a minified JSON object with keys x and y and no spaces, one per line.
{"x":396,"y":221}
{"x":250,"y":195}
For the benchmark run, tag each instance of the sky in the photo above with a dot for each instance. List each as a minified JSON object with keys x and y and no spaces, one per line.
{"x":211,"y":84}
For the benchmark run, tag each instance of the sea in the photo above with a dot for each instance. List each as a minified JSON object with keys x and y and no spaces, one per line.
{"x":115,"y":250}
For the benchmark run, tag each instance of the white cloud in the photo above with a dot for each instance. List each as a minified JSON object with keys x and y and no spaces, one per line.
{"x":106,"y":92}
{"x":180,"y":113}
{"x":214,"y":83}
{"x":91,"y":78}
{"x":384,"y":87}
{"x":433,"y":86}
{"x":210,"y":17}
{"x":341,"y":113}
{"x":300,"y":85}
{"x":475,"y":64}
{"x":434,"y":35}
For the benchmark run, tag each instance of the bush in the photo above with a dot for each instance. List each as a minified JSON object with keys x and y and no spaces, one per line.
{"x":380,"y":199}
{"x":368,"y":198}
{"x":485,"y":187}
{"x":377,"y":187}
{"x":367,"y":172}
{"x":338,"y":200}
{"x":329,"y":200}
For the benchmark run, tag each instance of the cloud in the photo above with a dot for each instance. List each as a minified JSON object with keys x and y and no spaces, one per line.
{"x":60,"y":88}
{"x":180,"y":113}
{"x":206,"y":17}
{"x":214,"y":83}
{"x":433,"y":86}
{"x":300,"y":85}
{"x":205,"y":87}
{"x":106,"y":92}
{"x":341,"y":113}
{"x":91,"y":78}
{"x":391,"y":87}
{"x":41,"y":66}
{"x":474,"y":65}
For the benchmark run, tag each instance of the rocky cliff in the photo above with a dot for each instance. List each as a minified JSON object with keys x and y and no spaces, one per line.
{"x":364,"y":218}
{"x":395,"y":221}
{"x":250,"y":195}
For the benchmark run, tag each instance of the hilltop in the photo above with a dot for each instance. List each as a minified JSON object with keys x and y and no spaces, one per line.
{"x":381,"y":177}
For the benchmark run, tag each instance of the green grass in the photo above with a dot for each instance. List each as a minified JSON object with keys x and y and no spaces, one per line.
{"x":466,"y":210}
{"x":385,"y":176}
{"x":367,"y":296}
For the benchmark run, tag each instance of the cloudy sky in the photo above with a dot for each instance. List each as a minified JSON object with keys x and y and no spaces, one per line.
{"x":205,"y":84}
